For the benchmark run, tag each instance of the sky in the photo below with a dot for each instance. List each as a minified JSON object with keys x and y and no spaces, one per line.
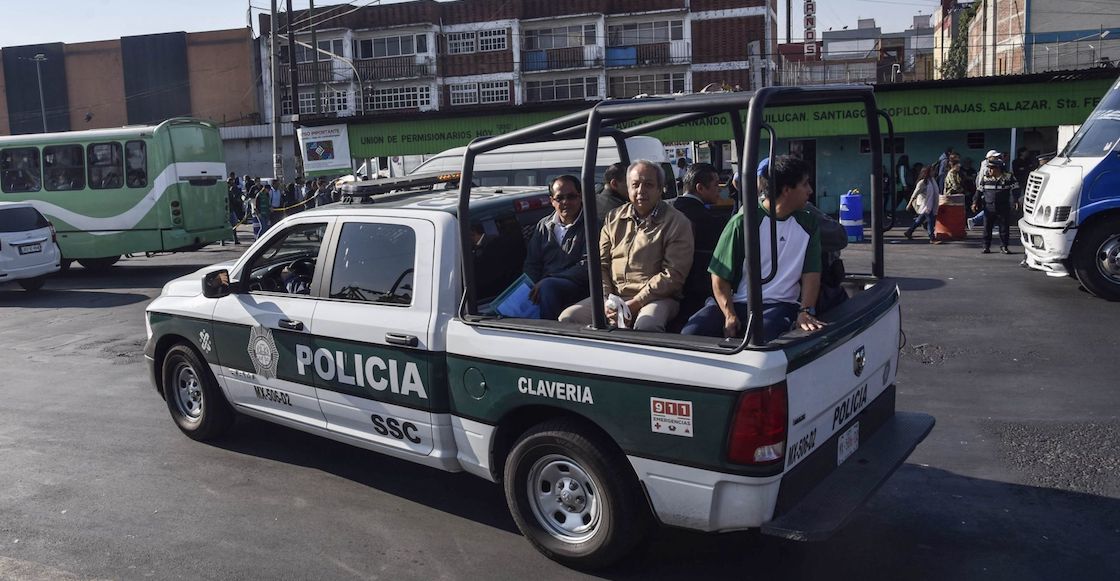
{"x":85,"y":20}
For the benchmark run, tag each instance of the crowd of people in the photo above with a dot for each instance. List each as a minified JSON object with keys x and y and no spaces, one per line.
{"x":992,"y":193}
{"x":678,"y":266}
{"x":262,"y":202}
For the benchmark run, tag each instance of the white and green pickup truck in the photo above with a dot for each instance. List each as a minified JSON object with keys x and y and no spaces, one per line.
{"x":365,"y":323}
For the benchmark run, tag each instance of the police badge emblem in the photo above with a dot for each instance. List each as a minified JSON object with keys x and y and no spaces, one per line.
{"x":263,"y":352}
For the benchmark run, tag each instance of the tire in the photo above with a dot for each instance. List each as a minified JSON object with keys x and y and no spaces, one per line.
{"x":1096,"y":259}
{"x":598,"y":512}
{"x":98,"y":264}
{"x":32,"y":284}
{"x":193,"y":397}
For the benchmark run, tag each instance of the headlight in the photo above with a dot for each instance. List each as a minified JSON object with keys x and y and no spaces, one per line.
{"x":1046,"y":213}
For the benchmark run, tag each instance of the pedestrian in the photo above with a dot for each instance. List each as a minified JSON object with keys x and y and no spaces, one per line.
{"x":943,"y":166}
{"x":997,"y":195}
{"x":924,"y":204}
{"x":262,"y":207}
{"x":233,"y":201}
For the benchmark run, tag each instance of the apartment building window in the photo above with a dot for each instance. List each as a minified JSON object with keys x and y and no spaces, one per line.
{"x":492,"y":40}
{"x":391,"y":46}
{"x":561,"y":89}
{"x":460,"y":42}
{"x":561,"y":37}
{"x":286,"y":105}
{"x":303,"y":54}
{"x":624,"y":87}
{"x":464,"y":94}
{"x":493,"y":92}
{"x":399,"y":98}
{"x":645,"y":32}
{"x":331,"y":46}
{"x":332,"y":101}
{"x":306,"y":102}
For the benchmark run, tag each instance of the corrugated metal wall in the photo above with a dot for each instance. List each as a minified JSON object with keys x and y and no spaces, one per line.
{"x":156,"y":83}
{"x":21,"y":87}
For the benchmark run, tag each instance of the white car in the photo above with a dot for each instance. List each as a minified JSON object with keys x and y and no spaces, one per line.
{"x":28,"y":246}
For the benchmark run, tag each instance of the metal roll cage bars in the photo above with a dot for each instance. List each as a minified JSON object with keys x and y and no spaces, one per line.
{"x":603,"y":119}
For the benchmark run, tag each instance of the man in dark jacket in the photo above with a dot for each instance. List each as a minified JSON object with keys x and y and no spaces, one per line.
{"x":701,"y":191}
{"x":613,"y":193}
{"x":556,"y":258}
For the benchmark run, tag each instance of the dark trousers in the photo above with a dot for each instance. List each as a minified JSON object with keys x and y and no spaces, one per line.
{"x":556,"y":294}
{"x":777,"y":318}
{"x":1003,"y":216}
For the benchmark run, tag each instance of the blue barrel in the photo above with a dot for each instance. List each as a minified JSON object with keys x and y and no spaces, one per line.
{"x":851,"y":215}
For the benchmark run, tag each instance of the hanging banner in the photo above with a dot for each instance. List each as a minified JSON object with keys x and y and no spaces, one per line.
{"x":810,"y":27}
{"x":325,"y":148}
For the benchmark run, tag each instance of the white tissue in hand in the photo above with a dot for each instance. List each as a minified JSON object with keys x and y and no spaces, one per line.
{"x":621,"y":310}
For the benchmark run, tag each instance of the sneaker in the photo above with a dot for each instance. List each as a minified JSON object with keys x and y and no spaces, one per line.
{"x":935,"y":241}
{"x":1004,"y":250}
{"x":986,"y":251}
{"x":969,"y":224}
{"x":909,"y":235}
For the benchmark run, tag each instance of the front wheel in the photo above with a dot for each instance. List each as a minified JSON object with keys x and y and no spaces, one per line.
{"x":1096,"y":259}
{"x":193,"y":397}
{"x":32,"y":284}
{"x":98,"y":264}
{"x":573,"y":496}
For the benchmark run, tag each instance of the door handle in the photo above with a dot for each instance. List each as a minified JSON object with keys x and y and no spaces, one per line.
{"x":401,"y":339}
{"x":291,"y":325}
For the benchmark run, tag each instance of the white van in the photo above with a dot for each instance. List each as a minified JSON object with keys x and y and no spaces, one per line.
{"x":28,"y":246}
{"x":535,"y":164}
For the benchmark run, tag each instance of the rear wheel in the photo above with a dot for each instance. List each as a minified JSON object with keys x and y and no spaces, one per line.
{"x":32,"y":284}
{"x":573,"y":496}
{"x":1096,"y":259}
{"x":98,"y":264}
{"x":193,"y":397}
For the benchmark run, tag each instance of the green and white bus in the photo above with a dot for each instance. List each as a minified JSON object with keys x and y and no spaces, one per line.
{"x":110,"y":192}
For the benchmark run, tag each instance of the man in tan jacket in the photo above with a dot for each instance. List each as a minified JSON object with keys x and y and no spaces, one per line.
{"x":645,"y":252}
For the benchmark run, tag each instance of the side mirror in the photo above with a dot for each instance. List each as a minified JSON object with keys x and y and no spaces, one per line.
{"x":215,"y":285}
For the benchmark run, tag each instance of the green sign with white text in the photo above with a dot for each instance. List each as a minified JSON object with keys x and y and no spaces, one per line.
{"x":949,"y":109}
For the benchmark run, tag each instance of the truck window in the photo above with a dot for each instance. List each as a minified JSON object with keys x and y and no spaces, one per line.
{"x":374,"y":264}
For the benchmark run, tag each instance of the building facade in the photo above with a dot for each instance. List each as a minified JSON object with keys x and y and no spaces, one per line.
{"x":474,"y":56}
{"x":127,"y":81}
{"x":862,"y":55}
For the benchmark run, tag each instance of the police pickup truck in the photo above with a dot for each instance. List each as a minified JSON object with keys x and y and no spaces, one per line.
{"x":367,"y":323}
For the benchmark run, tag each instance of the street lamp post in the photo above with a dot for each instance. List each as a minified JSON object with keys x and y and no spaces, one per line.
{"x":39,"y":58}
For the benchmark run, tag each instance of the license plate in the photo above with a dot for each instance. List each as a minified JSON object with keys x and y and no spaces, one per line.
{"x":30,"y":248}
{"x":847,"y":444}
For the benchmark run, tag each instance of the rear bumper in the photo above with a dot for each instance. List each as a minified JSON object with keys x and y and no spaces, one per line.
{"x":31,"y":271}
{"x":827,"y":507}
{"x":1047,"y":249}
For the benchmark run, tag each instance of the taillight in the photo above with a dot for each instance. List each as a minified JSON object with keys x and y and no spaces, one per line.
{"x":54,"y":235}
{"x":758,"y":432}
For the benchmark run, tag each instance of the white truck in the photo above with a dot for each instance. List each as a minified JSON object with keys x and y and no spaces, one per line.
{"x":364,"y":323}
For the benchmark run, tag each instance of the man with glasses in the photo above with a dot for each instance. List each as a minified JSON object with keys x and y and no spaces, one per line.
{"x":556,"y":259}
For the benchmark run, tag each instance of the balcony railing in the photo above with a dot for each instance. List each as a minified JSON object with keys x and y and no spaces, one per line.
{"x":573,"y":57}
{"x":677,"y":52}
{"x":403,"y":67}
{"x":309,"y":73}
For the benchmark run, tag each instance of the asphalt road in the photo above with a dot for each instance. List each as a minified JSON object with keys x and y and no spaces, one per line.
{"x":1020,"y":478}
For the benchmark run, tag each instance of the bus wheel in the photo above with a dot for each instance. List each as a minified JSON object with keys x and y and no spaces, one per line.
{"x":193,"y":397}
{"x":573,"y":495}
{"x":32,"y":284}
{"x":1096,"y":259}
{"x":98,"y":264}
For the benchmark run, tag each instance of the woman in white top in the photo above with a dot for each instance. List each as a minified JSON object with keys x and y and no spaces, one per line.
{"x":924,"y":203}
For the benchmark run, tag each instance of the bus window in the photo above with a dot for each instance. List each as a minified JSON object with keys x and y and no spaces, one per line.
{"x":19,"y":170}
{"x":136,"y":160}
{"x":63,"y":168}
{"x":105,"y":167}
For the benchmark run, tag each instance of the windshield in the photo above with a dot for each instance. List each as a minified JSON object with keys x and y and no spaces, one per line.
{"x":21,"y":219}
{"x":1101,"y":131}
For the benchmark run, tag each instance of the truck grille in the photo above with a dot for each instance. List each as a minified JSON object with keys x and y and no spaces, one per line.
{"x":1034,"y":187}
{"x":1061,"y":214}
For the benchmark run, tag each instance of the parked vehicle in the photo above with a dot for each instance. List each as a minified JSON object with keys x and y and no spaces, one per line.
{"x":28,"y":246}
{"x":1071,"y":206}
{"x":110,"y":192}
{"x":368,"y":323}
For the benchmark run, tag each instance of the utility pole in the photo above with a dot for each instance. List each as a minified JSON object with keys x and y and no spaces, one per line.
{"x":277,"y":151}
{"x":293,"y":74}
{"x":41,"y":58}
{"x":314,"y":54}
{"x":789,"y":21}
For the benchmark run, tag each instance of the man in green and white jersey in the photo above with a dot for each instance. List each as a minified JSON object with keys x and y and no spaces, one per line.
{"x":792,"y":294}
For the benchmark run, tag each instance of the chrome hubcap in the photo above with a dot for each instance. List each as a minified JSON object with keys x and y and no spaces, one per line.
{"x":1108,"y":259}
{"x":188,"y":392}
{"x":564,"y":498}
